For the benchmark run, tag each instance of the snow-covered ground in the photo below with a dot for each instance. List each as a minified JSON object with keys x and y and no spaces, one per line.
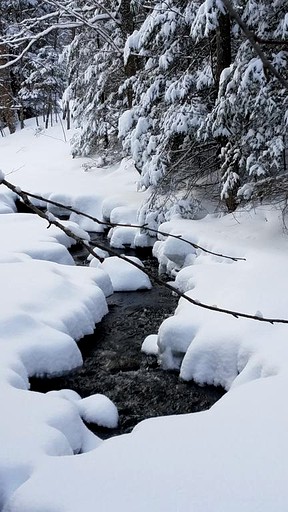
{"x":229,"y":459}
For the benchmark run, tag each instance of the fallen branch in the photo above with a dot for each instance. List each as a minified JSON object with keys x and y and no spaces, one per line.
{"x":139,"y":226}
{"x":52,"y":221}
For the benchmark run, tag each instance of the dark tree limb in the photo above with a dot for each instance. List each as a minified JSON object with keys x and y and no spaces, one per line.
{"x":52,"y":221}
{"x":272,"y":42}
{"x":139,"y":226}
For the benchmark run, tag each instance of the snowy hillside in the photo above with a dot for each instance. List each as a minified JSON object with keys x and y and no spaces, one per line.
{"x":231,"y":458}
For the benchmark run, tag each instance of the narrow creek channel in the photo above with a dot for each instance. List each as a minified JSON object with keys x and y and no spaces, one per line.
{"x":114,"y":365}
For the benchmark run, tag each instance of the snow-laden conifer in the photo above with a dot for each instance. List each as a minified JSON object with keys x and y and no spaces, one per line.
{"x":206,"y":110}
{"x":96,"y":68}
{"x":172,"y":95}
{"x":249,"y":115}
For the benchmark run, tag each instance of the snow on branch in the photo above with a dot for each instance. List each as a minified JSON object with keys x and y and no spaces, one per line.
{"x":52,"y":220}
{"x":90,"y":23}
{"x":108,"y":14}
{"x":26,"y":37}
{"x":253,"y":41}
{"x":35,"y":38}
{"x":28,"y":25}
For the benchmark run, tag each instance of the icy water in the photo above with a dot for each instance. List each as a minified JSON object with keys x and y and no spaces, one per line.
{"x":115,"y":366}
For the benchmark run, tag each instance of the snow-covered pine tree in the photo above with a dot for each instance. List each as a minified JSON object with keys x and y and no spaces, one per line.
{"x":10,"y":12}
{"x":180,"y":132}
{"x":96,"y":71}
{"x":173,"y":93}
{"x":251,"y":112}
{"x":7,"y":103}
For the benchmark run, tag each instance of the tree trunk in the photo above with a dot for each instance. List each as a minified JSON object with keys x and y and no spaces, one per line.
{"x":223,"y":46}
{"x":127,"y":27}
{"x":7,"y":112}
{"x":48,"y":112}
{"x":223,"y":60}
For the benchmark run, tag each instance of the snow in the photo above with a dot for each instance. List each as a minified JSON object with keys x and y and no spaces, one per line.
{"x":230,"y":458}
{"x":121,"y":236}
{"x":149,"y":345}
{"x":125,"y":123}
{"x":215,"y":349}
{"x":48,"y":303}
{"x":98,"y":409}
{"x":162,"y":470}
{"x":7,"y":202}
{"x":23,"y":237}
{"x":124,"y":276}
{"x":64,"y":179}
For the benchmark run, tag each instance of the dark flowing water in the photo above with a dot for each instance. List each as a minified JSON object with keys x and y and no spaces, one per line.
{"x":115,"y":366}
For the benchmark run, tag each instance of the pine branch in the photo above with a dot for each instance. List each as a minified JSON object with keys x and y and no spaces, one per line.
{"x":252,"y":39}
{"x":52,"y":221}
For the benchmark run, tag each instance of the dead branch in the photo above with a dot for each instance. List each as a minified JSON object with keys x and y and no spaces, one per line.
{"x":52,"y":221}
{"x":139,"y":226}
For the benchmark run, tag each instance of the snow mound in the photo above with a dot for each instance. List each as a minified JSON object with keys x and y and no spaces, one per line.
{"x":123,"y":215}
{"x":124,"y":276}
{"x":7,"y":202}
{"x":102,"y":254}
{"x":214,"y":348}
{"x":69,"y":394}
{"x":28,"y":234}
{"x":98,"y":409}
{"x":149,"y":345}
{"x":102,"y":278}
{"x":92,"y":206}
{"x":121,"y":237}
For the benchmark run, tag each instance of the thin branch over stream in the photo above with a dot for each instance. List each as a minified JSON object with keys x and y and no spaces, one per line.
{"x":139,"y":226}
{"x":53,"y":221}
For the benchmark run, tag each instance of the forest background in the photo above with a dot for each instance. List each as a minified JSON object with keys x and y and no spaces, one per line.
{"x":195,"y":91}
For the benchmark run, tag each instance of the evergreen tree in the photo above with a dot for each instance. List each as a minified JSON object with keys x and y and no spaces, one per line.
{"x":96,"y":71}
{"x":41,"y":92}
{"x":250,"y":114}
{"x":180,"y":131}
{"x":173,"y":93}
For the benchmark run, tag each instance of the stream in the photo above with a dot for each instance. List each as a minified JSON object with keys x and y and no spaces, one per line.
{"x":114,"y":365}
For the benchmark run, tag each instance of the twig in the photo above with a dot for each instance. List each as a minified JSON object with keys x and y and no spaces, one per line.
{"x":52,"y":221}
